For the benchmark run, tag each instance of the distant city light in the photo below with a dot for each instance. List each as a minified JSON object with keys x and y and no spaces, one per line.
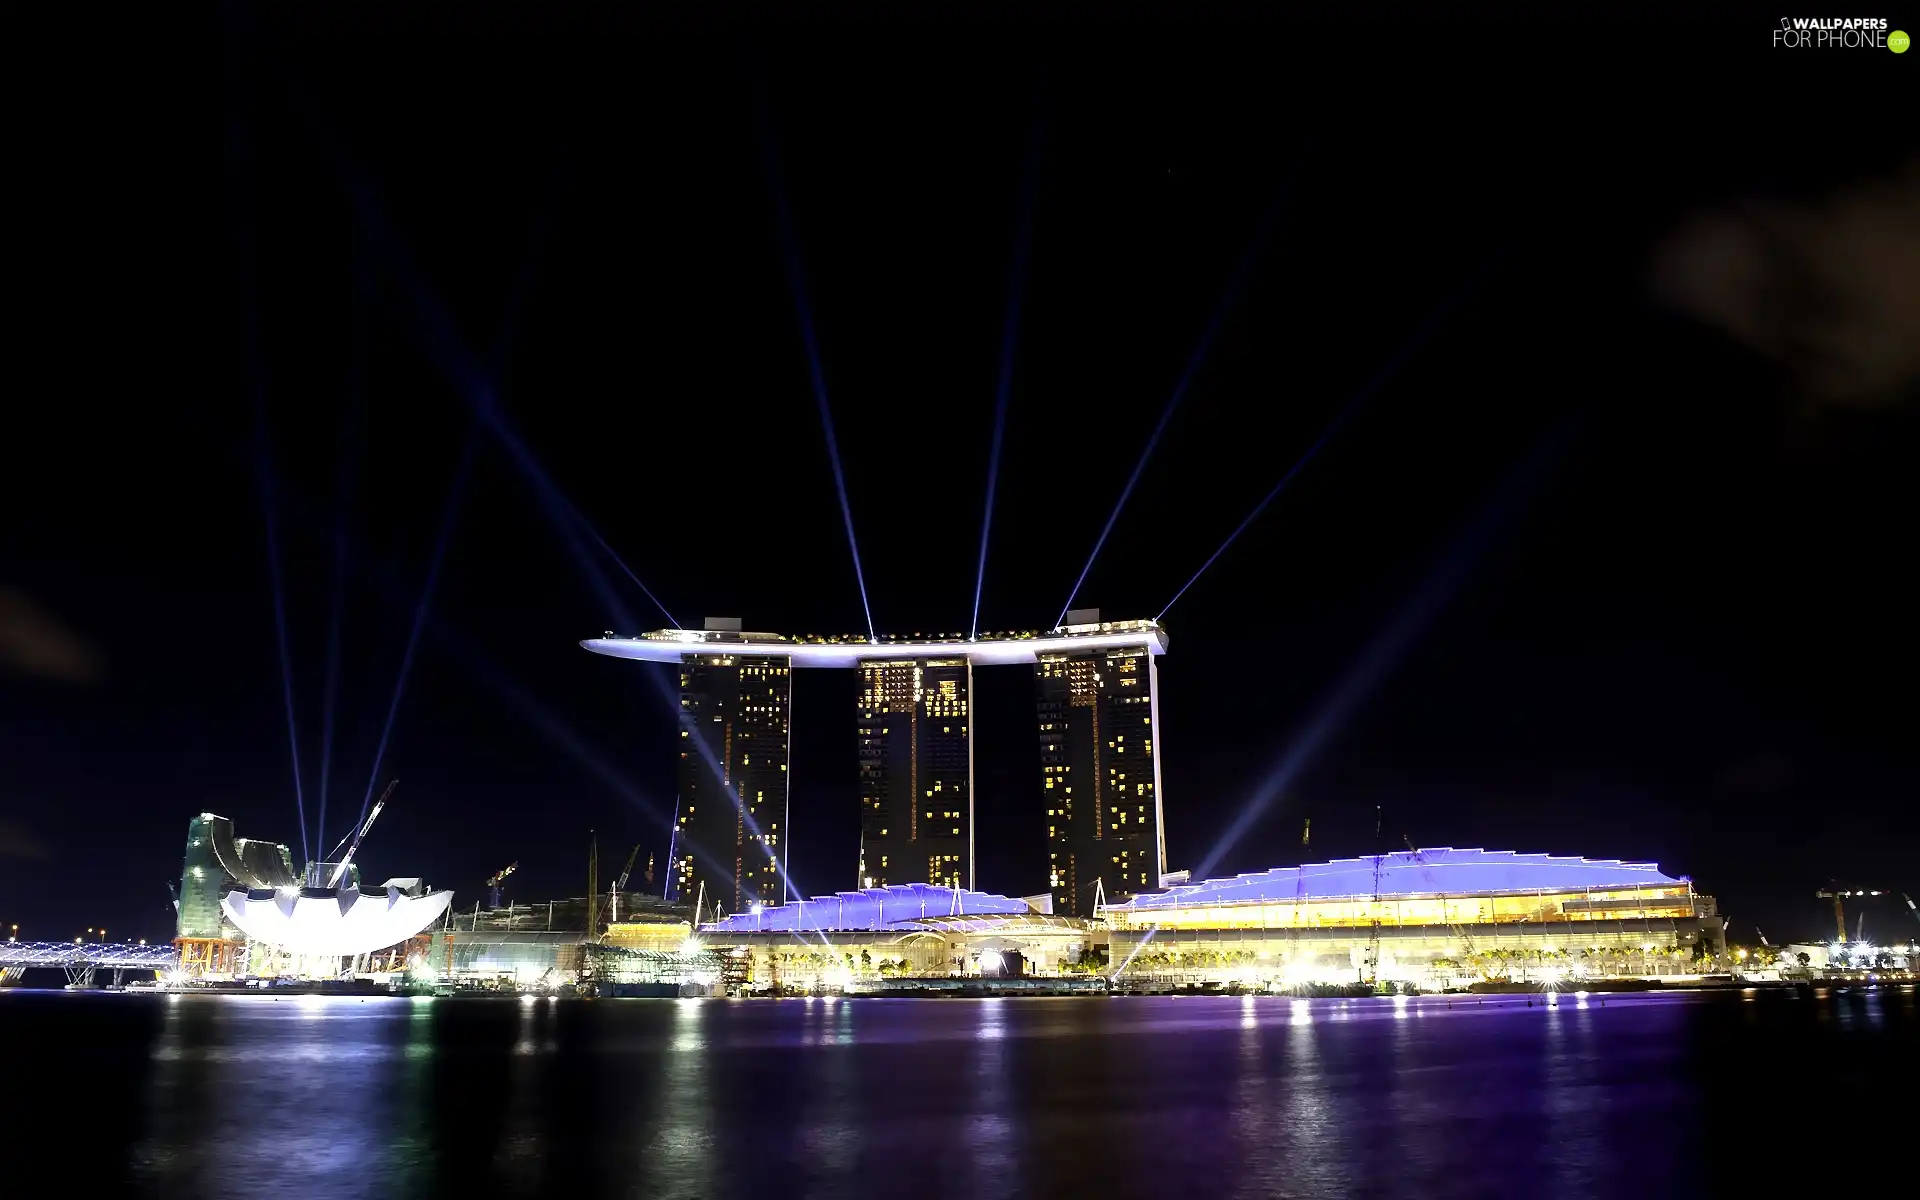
{"x":990,"y":960}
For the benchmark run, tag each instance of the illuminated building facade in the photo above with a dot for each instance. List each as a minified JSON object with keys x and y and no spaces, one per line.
{"x":1425,"y":914}
{"x":730,"y":844}
{"x":215,"y":862}
{"x":916,"y":754}
{"x":916,"y":772}
{"x":857,"y":940}
{"x":1100,"y":775}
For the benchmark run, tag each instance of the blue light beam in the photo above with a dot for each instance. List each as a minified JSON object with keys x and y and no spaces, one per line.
{"x":267,"y":507}
{"x":1442,"y":582}
{"x":343,"y":503}
{"x":797,"y":284}
{"x":561,"y":510}
{"x":1009,"y":338}
{"x":238,"y":153}
{"x":1235,"y":284}
{"x":455,"y":492}
{"x":1388,"y":647}
{"x":434,"y":325}
{"x":1347,"y":412}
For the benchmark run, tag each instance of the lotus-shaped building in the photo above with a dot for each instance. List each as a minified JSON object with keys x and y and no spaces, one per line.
{"x":343,"y":921}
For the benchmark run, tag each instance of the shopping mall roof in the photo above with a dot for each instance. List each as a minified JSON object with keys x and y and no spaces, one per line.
{"x":901,"y":906}
{"x":1443,"y":871}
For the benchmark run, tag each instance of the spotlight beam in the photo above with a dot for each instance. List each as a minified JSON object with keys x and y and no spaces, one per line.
{"x":1388,"y":647}
{"x":434,"y":326}
{"x":237,"y":153}
{"x":1354,"y":404}
{"x":562,"y":511}
{"x":1009,"y":337}
{"x":1235,"y":284}
{"x":455,"y":492}
{"x":343,"y":498}
{"x":267,"y":506}
{"x":797,"y":285}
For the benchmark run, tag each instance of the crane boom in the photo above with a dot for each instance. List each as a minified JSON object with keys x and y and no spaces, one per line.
{"x":499,"y":877}
{"x":340,"y":870}
{"x":628,"y":869}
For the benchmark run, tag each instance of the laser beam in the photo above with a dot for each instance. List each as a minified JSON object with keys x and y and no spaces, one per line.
{"x":455,"y":492}
{"x":1347,"y":411}
{"x":1388,"y":647}
{"x":436,"y":331}
{"x":562,"y":510}
{"x":1235,"y":284}
{"x":342,"y":505}
{"x":238,"y":153}
{"x":797,"y":284}
{"x":1009,"y":336}
{"x":267,"y":506}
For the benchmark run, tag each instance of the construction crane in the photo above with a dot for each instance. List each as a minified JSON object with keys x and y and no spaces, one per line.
{"x":496,"y":879}
{"x":1836,"y":894}
{"x":1839,"y":911}
{"x":627,"y":870}
{"x":622,"y":881}
{"x":340,"y":869}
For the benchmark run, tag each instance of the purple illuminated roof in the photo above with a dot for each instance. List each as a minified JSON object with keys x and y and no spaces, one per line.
{"x":895,"y":907}
{"x":1443,"y":871}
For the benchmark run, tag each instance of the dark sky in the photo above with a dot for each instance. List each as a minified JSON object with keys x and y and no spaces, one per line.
{"x":1665,"y":447}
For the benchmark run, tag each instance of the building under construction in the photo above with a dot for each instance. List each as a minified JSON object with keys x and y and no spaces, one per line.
{"x":616,"y":938}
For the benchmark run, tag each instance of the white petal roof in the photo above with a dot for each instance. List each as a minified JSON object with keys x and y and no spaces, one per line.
{"x":344,"y":922}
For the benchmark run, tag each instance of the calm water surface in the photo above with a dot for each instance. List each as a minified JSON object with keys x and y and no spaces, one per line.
{"x":1180,"y":1096}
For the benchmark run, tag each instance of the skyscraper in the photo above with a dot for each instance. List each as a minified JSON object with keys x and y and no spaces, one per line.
{"x":916,"y":772}
{"x":1099,"y":739}
{"x":1100,"y":772}
{"x":732,"y":833}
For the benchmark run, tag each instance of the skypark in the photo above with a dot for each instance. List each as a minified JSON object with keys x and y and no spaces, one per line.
{"x":1097,"y":715}
{"x":723,"y":636}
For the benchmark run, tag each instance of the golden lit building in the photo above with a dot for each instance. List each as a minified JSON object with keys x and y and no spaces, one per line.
{"x":1099,"y":728}
{"x":916,"y":772}
{"x":729,"y":845}
{"x":1100,"y":768}
{"x":1418,"y":914}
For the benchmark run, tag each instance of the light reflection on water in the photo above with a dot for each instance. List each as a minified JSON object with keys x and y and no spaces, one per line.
{"x":1247,"y":1096}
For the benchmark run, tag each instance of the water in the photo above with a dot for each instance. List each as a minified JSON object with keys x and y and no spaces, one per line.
{"x":1177,"y":1096}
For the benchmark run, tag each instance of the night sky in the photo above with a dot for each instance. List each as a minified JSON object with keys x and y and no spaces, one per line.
{"x":1631,"y":528}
